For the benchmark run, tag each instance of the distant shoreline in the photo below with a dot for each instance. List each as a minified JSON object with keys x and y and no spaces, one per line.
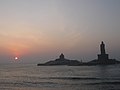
{"x":67,"y":62}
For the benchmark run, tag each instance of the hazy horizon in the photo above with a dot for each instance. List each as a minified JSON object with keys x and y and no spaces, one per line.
{"x":39,"y":30}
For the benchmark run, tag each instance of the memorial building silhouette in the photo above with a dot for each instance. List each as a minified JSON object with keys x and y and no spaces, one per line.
{"x":103,"y":56}
{"x":103,"y":59}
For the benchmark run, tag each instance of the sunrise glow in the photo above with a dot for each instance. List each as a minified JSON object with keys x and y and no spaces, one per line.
{"x":16,"y":58}
{"x":36,"y":30}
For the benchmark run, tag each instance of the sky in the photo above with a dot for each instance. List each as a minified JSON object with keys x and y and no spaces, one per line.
{"x":39,"y":30}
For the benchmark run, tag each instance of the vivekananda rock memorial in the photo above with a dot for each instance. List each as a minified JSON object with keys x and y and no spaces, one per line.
{"x":103,"y":59}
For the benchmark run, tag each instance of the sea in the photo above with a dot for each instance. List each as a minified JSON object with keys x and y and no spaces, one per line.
{"x":33,"y":77}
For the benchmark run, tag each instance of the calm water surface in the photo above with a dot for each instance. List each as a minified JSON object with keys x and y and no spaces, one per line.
{"x":32,"y":77}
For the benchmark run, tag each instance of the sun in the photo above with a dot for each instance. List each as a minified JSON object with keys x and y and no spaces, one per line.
{"x":16,"y":58}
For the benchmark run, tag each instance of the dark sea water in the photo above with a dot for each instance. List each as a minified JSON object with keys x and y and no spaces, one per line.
{"x":32,"y":77}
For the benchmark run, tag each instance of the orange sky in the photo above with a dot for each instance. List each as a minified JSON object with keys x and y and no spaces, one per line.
{"x":44,"y":29}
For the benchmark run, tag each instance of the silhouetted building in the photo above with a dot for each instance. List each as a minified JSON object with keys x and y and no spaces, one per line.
{"x":103,"y":56}
{"x":103,"y":59}
{"x":61,"y":61}
{"x":61,"y":57}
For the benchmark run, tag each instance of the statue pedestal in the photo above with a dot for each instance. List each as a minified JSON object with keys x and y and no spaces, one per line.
{"x":102,"y":57}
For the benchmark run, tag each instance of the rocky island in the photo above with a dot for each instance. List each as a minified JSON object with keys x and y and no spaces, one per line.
{"x":61,"y":61}
{"x":103,"y":59}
